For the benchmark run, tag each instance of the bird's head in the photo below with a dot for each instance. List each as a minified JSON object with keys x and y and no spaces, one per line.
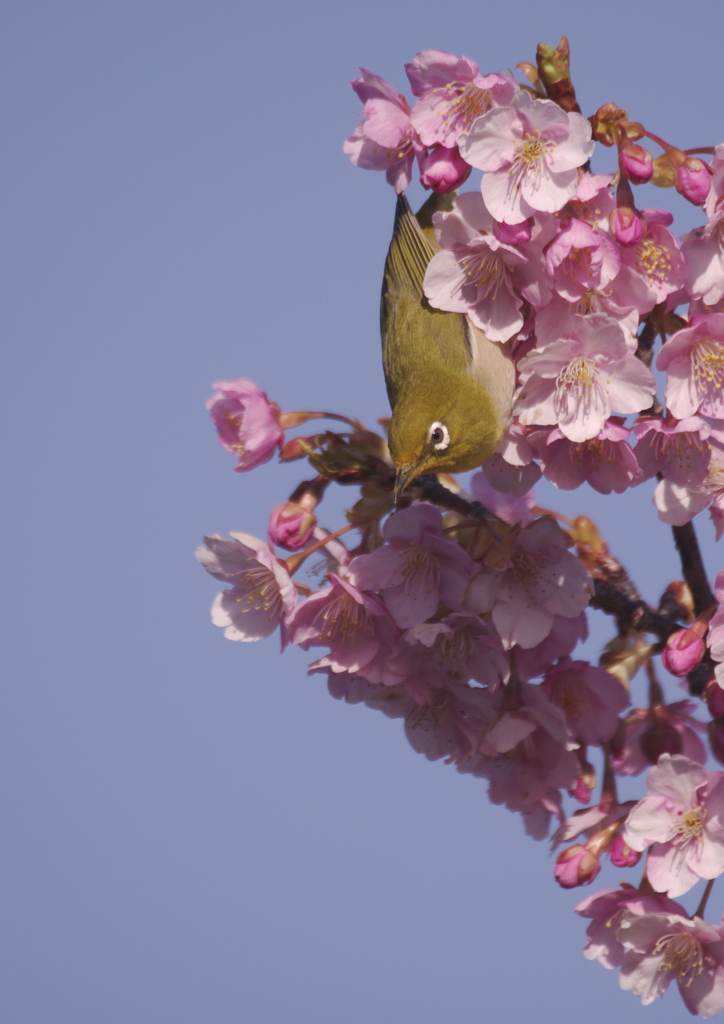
{"x":446,"y":425}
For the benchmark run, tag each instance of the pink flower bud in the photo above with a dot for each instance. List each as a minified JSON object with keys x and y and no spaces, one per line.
{"x":714,"y":696}
{"x":626,"y":225}
{"x":693,"y":180}
{"x":443,"y":170}
{"x":582,"y":791}
{"x":660,"y":736}
{"x":636,"y":163}
{"x":622,"y":855}
{"x":576,"y":866}
{"x":511,"y":234}
{"x":685,"y":649}
{"x":291,"y":526}
{"x":715,"y":730}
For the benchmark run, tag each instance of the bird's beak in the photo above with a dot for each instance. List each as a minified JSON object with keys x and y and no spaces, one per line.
{"x":406,"y":473}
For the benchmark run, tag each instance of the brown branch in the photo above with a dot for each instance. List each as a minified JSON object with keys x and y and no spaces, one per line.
{"x":692,"y":566}
{"x":631,"y":614}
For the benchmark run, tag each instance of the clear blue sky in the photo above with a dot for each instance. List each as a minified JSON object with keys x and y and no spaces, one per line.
{"x":194,"y":831}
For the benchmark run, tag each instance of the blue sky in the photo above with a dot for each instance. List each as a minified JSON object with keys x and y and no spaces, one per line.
{"x":194,"y":830}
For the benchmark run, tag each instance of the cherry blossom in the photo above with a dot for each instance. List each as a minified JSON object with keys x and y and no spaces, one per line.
{"x":291,"y":526}
{"x":682,"y":819}
{"x":246,"y":421}
{"x":531,"y":150}
{"x":675,"y":448}
{"x":578,"y":380}
{"x":693,"y":359}
{"x":590,"y":697}
{"x":606,"y":462}
{"x":607,"y":909}
{"x":453,"y":94}
{"x":417,"y":569}
{"x":262,"y":595}
{"x":580,"y":259}
{"x":665,"y":947}
{"x":657,"y":259}
{"x":678,"y":503}
{"x":385,"y":140}
{"x":646,"y":730}
{"x":537,"y":580}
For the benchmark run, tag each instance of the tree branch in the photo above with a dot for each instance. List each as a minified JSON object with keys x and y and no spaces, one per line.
{"x":631,"y":614}
{"x":692,"y":566}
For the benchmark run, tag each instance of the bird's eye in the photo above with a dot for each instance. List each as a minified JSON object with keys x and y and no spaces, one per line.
{"x":438,"y":436}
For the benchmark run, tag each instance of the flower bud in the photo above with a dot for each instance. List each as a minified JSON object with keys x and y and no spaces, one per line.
{"x":627,"y":225}
{"x":443,"y":170}
{"x":622,"y":855}
{"x":715,"y":731}
{"x":511,"y":234}
{"x":660,"y":736}
{"x":636,"y":163}
{"x":693,"y":180}
{"x":714,"y":697}
{"x":685,"y":649}
{"x":291,"y":526}
{"x":576,"y":866}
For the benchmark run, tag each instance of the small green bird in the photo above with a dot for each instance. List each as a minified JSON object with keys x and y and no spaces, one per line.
{"x":450,"y":387}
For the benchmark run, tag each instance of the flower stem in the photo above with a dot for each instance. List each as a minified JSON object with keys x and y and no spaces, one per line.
{"x":699,"y":912}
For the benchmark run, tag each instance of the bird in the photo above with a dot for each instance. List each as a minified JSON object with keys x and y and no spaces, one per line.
{"x":450,"y":388}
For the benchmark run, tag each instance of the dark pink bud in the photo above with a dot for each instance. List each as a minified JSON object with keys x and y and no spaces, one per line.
{"x":659,"y":737}
{"x":693,"y":180}
{"x":685,"y":649}
{"x":626,"y":225}
{"x":636,"y":163}
{"x":443,"y":170}
{"x":291,"y":526}
{"x":511,"y":234}
{"x":576,"y":866}
{"x":715,"y":729}
{"x":714,"y":696}
{"x":622,"y":855}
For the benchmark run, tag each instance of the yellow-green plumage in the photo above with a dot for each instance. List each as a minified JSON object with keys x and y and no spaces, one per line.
{"x":441,"y":371}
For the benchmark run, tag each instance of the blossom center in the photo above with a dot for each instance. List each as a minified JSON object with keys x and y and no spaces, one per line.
{"x":681,"y":954}
{"x":708,"y":366}
{"x":483,"y":270}
{"x":528,"y":159}
{"x":653,"y":260}
{"x":235,"y":423}
{"x":341,"y":620}
{"x":689,"y":826}
{"x":263,"y":593}
{"x":465,"y":103}
{"x":420,"y":568}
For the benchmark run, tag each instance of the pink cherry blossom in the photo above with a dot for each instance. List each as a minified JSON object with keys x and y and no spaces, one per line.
{"x":509,"y":508}
{"x":538,"y":580}
{"x":636,"y":162}
{"x":246,"y":421}
{"x":685,"y":649}
{"x":477,"y":274}
{"x":443,"y":170}
{"x":693,"y":180}
{"x":675,"y":448}
{"x":262,"y":594}
{"x":453,"y":94}
{"x":451,"y":724}
{"x":531,"y":150}
{"x":354,"y":625}
{"x":580,"y":259}
{"x":682,"y":819}
{"x":704,"y":246}
{"x":593,"y":201}
{"x":665,"y":947}
{"x":657,"y":259}
{"x":678,"y":504}
{"x":693,"y":359}
{"x":565,"y":635}
{"x":590,"y":698}
{"x":417,"y":568}
{"x":512,"y":469}
{"x":578,"y":380}
{"x":458,"y":648}
{"x":385,"y":140}
{"x":606,"y":462}
{"x":607,"y":909}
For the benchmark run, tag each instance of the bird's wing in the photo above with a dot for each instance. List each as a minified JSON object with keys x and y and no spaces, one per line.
{"x":492,"y":366}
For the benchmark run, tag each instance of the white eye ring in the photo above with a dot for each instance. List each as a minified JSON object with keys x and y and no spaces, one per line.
{"x":439,"y":436}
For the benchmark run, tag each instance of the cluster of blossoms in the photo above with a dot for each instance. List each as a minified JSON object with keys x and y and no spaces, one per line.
{"x":460,"y":613}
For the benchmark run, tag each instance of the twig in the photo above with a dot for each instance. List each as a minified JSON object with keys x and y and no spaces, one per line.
{"x":631,"y":614}
{"x":692,"y":566}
